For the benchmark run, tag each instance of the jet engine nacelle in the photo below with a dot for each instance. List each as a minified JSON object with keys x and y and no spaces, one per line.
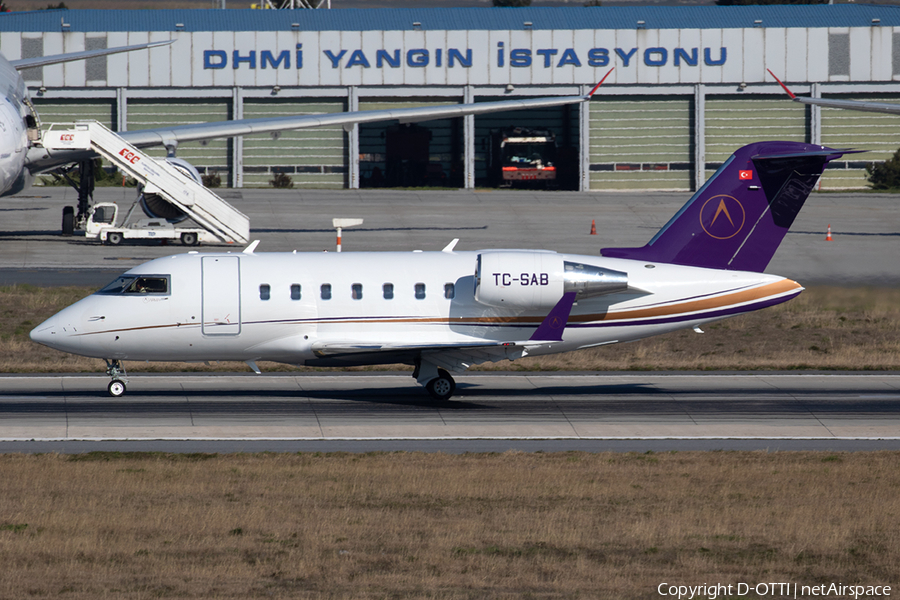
{"x":537,"y":280}
{"x":156,"y":206}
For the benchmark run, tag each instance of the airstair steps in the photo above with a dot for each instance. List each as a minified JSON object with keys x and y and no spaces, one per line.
{"x":206,"y":208}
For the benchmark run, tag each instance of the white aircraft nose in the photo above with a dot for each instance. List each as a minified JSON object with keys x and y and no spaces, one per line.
{"x":46,"y":333}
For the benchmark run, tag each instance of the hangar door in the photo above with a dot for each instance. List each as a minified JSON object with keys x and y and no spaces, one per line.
{"x":312,"y":158}
{"x":735,"y":121}
{"x":641,"y":143}
{"x":69,"y":111}
{"x":562,"y":121}
{"x":208,"y":156}
{"x":877,"y":133}
{"x":424,"y":154}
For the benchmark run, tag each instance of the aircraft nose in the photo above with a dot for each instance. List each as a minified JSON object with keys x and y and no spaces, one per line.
{"x":47,"y":332}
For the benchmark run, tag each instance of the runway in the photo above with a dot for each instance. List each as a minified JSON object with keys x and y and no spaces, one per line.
{"x":387,"y":411}
{"x":363,"y":412}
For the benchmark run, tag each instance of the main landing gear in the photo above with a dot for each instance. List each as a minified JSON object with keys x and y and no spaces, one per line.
{"x":438,"y":382}
{"x":442,"y":386}
{"x":116,"y":371}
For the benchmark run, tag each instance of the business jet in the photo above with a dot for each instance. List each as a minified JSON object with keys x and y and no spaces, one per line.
{"x":22,"y":156}
{"x":447,"y":310}
{"x":861,"y":105}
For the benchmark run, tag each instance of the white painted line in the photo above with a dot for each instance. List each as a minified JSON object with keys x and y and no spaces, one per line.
{"x":445,"y":439}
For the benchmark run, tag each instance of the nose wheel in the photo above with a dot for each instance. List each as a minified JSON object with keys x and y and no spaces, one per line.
{"x":116,"y":388}
{"x":116,"y":371}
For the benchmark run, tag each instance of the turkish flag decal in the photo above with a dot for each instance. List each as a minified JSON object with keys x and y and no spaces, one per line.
{"x":745,"y":175}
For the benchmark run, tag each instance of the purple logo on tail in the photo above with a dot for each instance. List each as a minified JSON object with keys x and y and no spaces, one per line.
{"x":722,"y":217}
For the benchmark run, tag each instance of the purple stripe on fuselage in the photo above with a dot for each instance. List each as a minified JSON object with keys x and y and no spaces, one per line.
{"x":713,"y":314}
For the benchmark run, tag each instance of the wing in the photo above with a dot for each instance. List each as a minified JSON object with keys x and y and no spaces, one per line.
{"x":170,"y":137}
{"x":879,"y":107}
{"x":29,"y":63}
{"x":453,"y":356}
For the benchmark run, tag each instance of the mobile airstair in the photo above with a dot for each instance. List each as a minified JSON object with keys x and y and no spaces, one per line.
{"x":209,"y":211}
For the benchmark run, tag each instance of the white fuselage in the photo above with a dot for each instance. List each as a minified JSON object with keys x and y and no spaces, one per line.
{"x":271,"y":306}
{"x":13,"y":132}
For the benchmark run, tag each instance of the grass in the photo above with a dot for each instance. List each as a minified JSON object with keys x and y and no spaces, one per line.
{"x":412,"y":525}
{"x":828,"y":328}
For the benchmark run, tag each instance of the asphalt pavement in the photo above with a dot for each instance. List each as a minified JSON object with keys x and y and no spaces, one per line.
{"x":865,"y":226}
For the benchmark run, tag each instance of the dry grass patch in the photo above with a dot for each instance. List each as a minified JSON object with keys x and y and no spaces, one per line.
{"x":416,"y":525}
{"x":824,"y":328}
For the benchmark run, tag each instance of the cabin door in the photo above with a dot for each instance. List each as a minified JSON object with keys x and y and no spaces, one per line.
{"x":221,"y":295}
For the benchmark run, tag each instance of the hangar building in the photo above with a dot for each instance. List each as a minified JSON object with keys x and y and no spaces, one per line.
{"x":689,"y":86}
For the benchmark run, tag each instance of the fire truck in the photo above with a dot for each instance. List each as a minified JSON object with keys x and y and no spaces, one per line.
{"x":523,"y":156}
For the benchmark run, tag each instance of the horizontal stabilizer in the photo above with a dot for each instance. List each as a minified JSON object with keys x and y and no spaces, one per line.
{"x":737,"y":220}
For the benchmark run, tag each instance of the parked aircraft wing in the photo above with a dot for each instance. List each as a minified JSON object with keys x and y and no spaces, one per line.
{"x":39,"y":160}
{"x":204,"y":131}
{"x":879,"y":107}
{"x":40,"y":61}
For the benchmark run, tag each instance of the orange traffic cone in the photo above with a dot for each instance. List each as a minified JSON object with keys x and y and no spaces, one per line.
{"x":593,"y":227}
{"x":828,"y":235}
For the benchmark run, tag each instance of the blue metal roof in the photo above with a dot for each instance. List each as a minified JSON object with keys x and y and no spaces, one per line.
{"x":488,"y":18}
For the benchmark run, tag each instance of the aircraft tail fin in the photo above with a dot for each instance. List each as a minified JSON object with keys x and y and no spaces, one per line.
{"x":737,"y":220}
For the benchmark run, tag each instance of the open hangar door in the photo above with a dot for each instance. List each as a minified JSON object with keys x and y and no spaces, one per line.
{"x":877,"y":133}
{"x":561,"y":121}
{"x":426,"y":154}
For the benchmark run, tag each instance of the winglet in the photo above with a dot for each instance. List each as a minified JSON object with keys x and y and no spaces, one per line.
{"x":251,"y":248}
{"x":449,"y":247}
{"x":596,"y":87}
{"x":789,"y":92}
{"x":552,"y":327}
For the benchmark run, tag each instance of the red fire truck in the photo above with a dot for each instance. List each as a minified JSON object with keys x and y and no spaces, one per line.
{"x":520,"y":156}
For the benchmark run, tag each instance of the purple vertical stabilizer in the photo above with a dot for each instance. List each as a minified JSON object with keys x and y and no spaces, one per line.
{"x":552,"y":327}
{"x":739,"y":217}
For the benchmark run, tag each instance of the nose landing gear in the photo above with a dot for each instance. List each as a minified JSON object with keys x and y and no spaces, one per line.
{"x":116,"y":371}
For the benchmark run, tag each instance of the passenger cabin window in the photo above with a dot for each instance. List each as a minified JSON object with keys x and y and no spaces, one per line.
{"x":264,"y":291}
{"x":420,"y":291}
{"x":356,"y":291}
{"x":156,"y":285}
{"x":295,"y":291}
{"x":326,"y":291}
{"x":449,"y":291}
{"x":388,"y":290}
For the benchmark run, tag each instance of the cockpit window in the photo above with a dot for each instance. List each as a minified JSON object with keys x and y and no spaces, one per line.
{"x":157,"y":285}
